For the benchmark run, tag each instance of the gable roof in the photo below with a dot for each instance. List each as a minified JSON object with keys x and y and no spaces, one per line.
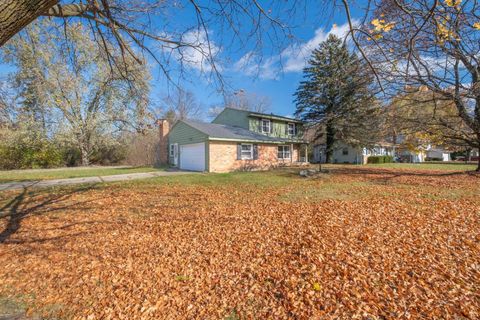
{"x":217,"y":131}
{"x":266,"y":115}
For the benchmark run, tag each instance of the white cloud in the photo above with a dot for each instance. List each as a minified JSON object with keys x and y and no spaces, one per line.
{"x":292,"y":59}
{"x":198,"y":51}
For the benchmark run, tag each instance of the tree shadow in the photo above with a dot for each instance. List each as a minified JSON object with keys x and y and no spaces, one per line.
{"x":29,"y":203}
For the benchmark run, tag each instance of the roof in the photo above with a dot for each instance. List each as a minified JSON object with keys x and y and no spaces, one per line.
{"x":217,"y":131}
{"x":267,"y":115}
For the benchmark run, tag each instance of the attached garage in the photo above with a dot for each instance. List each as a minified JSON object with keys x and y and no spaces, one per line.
{"x":192,"y":157}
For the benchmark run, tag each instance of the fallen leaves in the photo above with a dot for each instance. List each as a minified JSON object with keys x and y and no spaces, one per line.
{"x":405,"y":246}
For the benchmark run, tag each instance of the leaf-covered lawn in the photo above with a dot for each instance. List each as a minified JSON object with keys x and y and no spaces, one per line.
{"x":364,"y":243}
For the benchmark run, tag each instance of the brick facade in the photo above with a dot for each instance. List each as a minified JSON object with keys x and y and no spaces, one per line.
{"x":163,"y":130}
{"x":223,"y":157}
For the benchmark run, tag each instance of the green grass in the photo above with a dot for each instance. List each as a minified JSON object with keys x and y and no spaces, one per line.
{"x":260,"y":179}
{"x":63,"y":173}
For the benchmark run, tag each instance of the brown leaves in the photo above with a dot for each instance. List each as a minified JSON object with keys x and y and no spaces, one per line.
{"x":403,"y":249}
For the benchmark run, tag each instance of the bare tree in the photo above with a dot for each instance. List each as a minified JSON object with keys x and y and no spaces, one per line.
{"x":151,"y":27}
{"x":7,"y":105}
{"x":241,"y":100}
{"x":180,"y":104}
{"x":77,"y":89}
{"x":251,"y":101}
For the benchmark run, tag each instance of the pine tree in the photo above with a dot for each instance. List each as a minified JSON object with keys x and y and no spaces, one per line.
{"x":335,"y":96}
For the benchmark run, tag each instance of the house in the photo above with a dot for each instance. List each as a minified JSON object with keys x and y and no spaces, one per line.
{"x":234,"y":140}
{"x":345,"y":153}
{"x":437,"y":154}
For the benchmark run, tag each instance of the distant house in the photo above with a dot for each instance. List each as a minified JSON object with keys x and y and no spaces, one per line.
{"x":234,"y":140}
{"x":437,"y":154}
{"x":345,"y":153}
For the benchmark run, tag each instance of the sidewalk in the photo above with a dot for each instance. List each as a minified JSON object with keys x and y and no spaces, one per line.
{"x":63,"y":182}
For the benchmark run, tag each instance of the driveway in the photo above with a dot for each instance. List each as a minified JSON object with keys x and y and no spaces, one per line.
{"x":63,"y":182}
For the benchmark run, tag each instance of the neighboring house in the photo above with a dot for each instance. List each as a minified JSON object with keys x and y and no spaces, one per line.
{"x":437,"y":154}
{"x":422,"y":154}
{"x":410,"y":156}
{"x":344,"y":153}
{"x":234,"y":140}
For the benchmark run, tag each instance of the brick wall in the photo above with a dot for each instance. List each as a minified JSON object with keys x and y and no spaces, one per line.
{"x":163,"y":130}
{"x":223,"y":157}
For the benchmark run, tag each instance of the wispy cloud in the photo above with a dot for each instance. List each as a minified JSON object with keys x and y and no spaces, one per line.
{"x":293,"y":59}
{"x":197,"y":52}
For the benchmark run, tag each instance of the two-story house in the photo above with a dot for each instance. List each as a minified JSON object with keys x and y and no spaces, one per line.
{"x":234,"y":140}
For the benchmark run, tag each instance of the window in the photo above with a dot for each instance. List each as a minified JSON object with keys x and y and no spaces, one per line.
{"x":266,"y":126}
{"x":172,"y":150}
{"x":247,"y":151}
{"x":291,"y":129}
{"x":283,"y":152}
{"x":345,"y":151}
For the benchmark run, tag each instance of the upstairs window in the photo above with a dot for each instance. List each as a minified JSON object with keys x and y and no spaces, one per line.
{"x":345,"y":151}
{"x":247,"y":151}
{"x":283,"y":152}
{"x":291,"y":129}
{"x":266,"y":126}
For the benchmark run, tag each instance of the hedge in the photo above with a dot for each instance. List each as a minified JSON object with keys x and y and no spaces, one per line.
{"x":380,"y":159}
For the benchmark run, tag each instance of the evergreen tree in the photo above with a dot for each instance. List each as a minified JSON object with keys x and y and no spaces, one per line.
{"x":335,"y":97}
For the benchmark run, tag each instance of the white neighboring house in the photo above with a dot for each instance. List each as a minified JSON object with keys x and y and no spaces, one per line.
{"x":344,"y":153}
{"x":438,"y":153}
{"x":411,"y":156}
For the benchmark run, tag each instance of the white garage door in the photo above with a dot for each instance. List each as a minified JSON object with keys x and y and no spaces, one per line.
{"x":192,"y":157}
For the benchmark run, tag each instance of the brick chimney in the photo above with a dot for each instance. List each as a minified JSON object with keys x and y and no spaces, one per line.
{"x":163,"y":129}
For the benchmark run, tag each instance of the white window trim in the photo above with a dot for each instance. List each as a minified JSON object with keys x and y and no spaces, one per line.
{"x":246,"y":157}
{"x":283,"y":152}
{"x":269,"y":125}
{"x":288,"y":128}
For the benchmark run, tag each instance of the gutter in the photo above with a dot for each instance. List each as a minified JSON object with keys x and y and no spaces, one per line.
{"x":256,"y":141}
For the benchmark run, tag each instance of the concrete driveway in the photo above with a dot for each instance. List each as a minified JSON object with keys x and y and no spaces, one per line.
{"x":63,"y":182}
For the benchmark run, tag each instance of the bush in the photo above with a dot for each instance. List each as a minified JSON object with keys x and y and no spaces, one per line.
{"x":380,"y":159}
{"x":433,"y":159}
{"x":20,"y":149}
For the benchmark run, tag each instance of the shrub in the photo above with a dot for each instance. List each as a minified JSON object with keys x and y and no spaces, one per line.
{"x":380,"y":159}
{"x":433,"y":159}
{"x":20,"y":149}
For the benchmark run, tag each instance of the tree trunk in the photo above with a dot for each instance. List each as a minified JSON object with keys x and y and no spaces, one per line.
{"x":84,"y":146}
{"x":16,"y":14}
{"x":330,"y":142}
{"x":85,"y":155}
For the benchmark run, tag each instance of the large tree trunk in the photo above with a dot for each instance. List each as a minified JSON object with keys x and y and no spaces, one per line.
{"x":16,"y":14}
{"x":85,"y":154}
{"x":330,"y":142}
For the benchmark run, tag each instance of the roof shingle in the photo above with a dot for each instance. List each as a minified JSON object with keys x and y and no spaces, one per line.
{"x":221,"y":131}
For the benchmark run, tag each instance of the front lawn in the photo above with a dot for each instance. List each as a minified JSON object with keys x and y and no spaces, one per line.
{"x":358,"y":242}
{"x":63,"y":173}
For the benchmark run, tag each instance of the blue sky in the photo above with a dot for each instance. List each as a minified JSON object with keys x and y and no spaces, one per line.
{"x":267,"y":77}
{"x":256,"y":73}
